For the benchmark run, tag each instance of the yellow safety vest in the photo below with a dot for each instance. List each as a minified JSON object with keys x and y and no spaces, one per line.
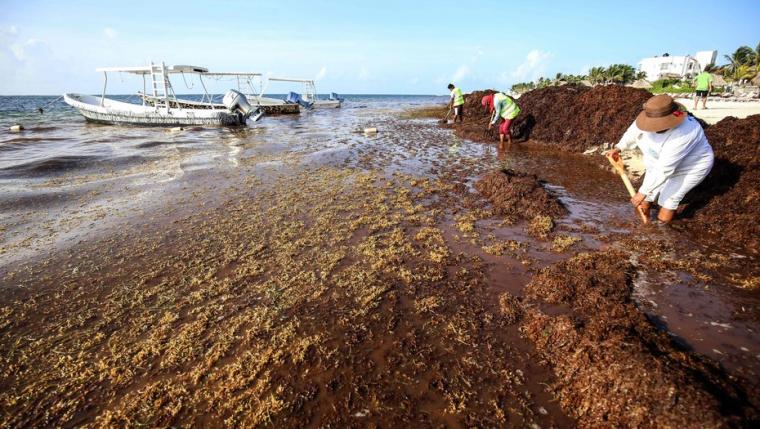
{"x":508,"y":109}
{"x":458,"y":97}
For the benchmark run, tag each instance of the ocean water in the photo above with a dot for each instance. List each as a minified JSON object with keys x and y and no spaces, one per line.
{"x":60,"y":140}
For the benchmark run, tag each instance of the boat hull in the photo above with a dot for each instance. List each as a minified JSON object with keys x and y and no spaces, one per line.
{"x":327,"y":104}
{"x":270,"y":106}
{"x":273,"y":106}
{"x":117,"y":112}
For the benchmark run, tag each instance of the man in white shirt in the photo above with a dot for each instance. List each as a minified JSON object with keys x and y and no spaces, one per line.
{"x":677,"y":155}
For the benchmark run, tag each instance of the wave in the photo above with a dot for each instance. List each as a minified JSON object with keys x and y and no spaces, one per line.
{"x":150,"y":144}
{"x":48,"y":166}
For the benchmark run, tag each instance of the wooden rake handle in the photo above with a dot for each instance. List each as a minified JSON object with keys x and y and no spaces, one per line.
{"x":619,"y":167}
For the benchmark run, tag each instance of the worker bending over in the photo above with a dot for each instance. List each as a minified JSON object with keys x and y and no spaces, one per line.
{"x":677,"y":155}
{"x":501,"y":106}
{"x":456,"y":102}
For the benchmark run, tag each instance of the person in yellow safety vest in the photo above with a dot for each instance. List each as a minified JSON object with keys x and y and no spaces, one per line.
{"x":456,"y":102}
{"x":501,"y":106}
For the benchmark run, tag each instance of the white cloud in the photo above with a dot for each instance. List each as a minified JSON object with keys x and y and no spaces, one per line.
{"x":533,"y":67}
{"x":479,"y":52}
{"x":9,"y":31}
{"x":461,"y":73}
{"x":322,"y":73}
{"x":110,"y":33}
{"x":364,"y":74}
{"x":21,"y":50}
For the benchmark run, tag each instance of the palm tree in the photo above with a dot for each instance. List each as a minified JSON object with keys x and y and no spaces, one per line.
{"x":523,"y":87}
{"x":743,"y":72}
{"x":621,"y":73}
{"x":744,"y":55}
{"x":597,"y":75}
{"x":543,"y":82}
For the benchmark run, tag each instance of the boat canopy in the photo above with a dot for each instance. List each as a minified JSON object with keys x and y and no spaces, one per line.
{"x":289,"y":79}
{"x":242,"y":74}
{"x":143,"y":70}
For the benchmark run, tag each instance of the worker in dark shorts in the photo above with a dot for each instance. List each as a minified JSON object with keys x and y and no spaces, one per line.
{"x":703,"y":88}
{"x":456,"y":102}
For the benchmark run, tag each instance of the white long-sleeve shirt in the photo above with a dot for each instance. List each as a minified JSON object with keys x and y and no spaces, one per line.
{"x":682,"y":150}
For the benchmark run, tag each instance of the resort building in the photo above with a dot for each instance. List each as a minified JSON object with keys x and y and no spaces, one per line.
{"x":676,"y":66}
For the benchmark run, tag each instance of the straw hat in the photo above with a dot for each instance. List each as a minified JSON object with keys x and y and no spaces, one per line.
{"x":660,"y":113}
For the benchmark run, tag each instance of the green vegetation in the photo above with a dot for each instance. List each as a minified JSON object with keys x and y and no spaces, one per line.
{"x":741,"y":67}
{"x":672,"y":86}
{"x":620,"y":74}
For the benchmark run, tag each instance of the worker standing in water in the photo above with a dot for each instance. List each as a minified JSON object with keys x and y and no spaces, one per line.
{"x":502,"y":107}
{"x":677,"y":155}
{"x":456,"y":102}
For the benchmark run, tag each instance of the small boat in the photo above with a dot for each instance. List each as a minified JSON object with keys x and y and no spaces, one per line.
{"x":309,"y":96}
{"x":252,"y":85}
{"x":163,"y":107}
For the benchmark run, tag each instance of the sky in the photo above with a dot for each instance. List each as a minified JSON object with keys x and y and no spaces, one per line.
{"x":354,"y":47}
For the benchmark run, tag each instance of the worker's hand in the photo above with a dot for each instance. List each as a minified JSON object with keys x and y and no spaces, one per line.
{"x":614,"y":154}
{"x":637,"y":199}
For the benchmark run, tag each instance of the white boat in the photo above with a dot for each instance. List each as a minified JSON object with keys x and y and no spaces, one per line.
{"x":245,"y":82}
{"x":252,"y":85}
{"x":162,"y":107}
{"x":309,"y":95}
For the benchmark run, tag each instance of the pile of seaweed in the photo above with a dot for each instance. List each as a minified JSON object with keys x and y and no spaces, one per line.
{"x":569,"y":117}
{"x":727,"y":202}
{"x":518,"y":195}
{"x":613,"y":366}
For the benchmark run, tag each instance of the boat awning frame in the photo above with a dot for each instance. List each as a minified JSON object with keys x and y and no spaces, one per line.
{"x":143,"y":70}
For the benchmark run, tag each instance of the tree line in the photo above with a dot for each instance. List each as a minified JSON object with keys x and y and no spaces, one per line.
{"x":742,"y":66}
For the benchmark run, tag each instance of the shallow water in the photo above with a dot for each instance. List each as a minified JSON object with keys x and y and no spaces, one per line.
{"x":64,"y":168}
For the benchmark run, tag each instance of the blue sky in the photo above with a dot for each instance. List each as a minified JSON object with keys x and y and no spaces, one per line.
{"x":385,"y":47}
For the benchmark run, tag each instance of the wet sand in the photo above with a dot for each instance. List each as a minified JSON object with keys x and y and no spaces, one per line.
{"x":344,"y":281}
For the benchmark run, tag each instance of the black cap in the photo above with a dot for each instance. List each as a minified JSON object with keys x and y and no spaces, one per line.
{"x":451,"y":85}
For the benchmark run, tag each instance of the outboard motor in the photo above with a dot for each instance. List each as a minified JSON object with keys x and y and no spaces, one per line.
{"x":336,"y":97}
{"x":237,"y":102}
{"x":295,"y":98}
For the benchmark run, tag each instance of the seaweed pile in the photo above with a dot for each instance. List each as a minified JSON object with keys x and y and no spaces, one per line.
{"x":518,"y":195}
{"x":568,"y":117}
{"x":727,"y":202}
{"x":613,"y":366}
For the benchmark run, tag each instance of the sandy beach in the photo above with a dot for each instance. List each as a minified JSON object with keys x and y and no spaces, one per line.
{"x":718,"y":109}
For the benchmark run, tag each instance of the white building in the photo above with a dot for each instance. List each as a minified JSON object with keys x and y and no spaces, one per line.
{"x":676,"y":66}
